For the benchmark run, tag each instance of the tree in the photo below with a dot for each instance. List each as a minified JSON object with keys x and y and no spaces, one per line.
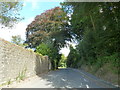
{"x":9,"y":13}
{"x":51,"y":26}
{"x":43,"y":49}
{"x":96,"y":27}
{"x":52,"y":52}
{"x":91,"y":15}
{"x":62,"y":62}
{"x":72,"y":58}
{"x":16,"y":39}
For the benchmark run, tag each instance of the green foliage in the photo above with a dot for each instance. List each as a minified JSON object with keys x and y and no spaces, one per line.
{"x":62,"y":62}
{"x":72,"y":58}
{"x":21,"y":75}
{"x":52,"y":52}
{"x":9,"y":13}
{"x":43,"y":49}
{"x":16,"y":39}
{"x":96,"y":27}
{"x":9,"y":82}
{"x":112,"y":61}
{"x":6,"y":83}
{"x":52,"y":29}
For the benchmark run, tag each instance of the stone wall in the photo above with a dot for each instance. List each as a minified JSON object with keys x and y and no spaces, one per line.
{"x":15,"y":61}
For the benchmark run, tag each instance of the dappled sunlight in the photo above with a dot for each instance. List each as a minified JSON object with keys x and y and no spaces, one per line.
{"x":70,"y":78}
{"x":87,"y":86}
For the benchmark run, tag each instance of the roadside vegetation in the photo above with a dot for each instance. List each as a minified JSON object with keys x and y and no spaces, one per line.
{"x":95,"y":27}
{"x":63,"y":60}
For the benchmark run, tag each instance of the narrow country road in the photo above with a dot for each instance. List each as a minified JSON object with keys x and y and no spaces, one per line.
{"x":66,"y":78}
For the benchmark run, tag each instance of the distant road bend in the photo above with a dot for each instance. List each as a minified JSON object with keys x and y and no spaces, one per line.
{"x":66,"y":78}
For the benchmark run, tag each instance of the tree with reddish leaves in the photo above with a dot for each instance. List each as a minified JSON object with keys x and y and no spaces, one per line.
{"x":50,"y":27}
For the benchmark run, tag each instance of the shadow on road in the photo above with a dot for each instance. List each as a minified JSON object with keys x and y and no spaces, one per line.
{"x":65,"y":78}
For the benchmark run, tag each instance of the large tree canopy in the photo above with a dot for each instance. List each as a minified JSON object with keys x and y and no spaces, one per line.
{"x":92,"y":16}
{"x":9,"y":13}
{"x":49,"y":27}
{"x":96,"y":27}
{"x":48,"y":33}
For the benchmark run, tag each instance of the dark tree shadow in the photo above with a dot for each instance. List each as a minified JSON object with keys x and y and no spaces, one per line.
{"x":65,"y":78}
{"x":59,"y":79}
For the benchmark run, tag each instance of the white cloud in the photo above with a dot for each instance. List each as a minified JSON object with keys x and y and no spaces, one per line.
{"x":18,"y":29}
{"x":5,"y":34}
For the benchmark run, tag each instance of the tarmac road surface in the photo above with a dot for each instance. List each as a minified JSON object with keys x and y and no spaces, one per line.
{"x":66,"y":78}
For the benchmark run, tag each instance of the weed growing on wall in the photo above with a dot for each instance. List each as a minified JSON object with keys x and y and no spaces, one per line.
{"x":9,"y":82}
{"x":21,"y":75}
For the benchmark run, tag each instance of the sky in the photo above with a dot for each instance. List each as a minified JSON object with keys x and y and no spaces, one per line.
{"x":30,"y":9}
